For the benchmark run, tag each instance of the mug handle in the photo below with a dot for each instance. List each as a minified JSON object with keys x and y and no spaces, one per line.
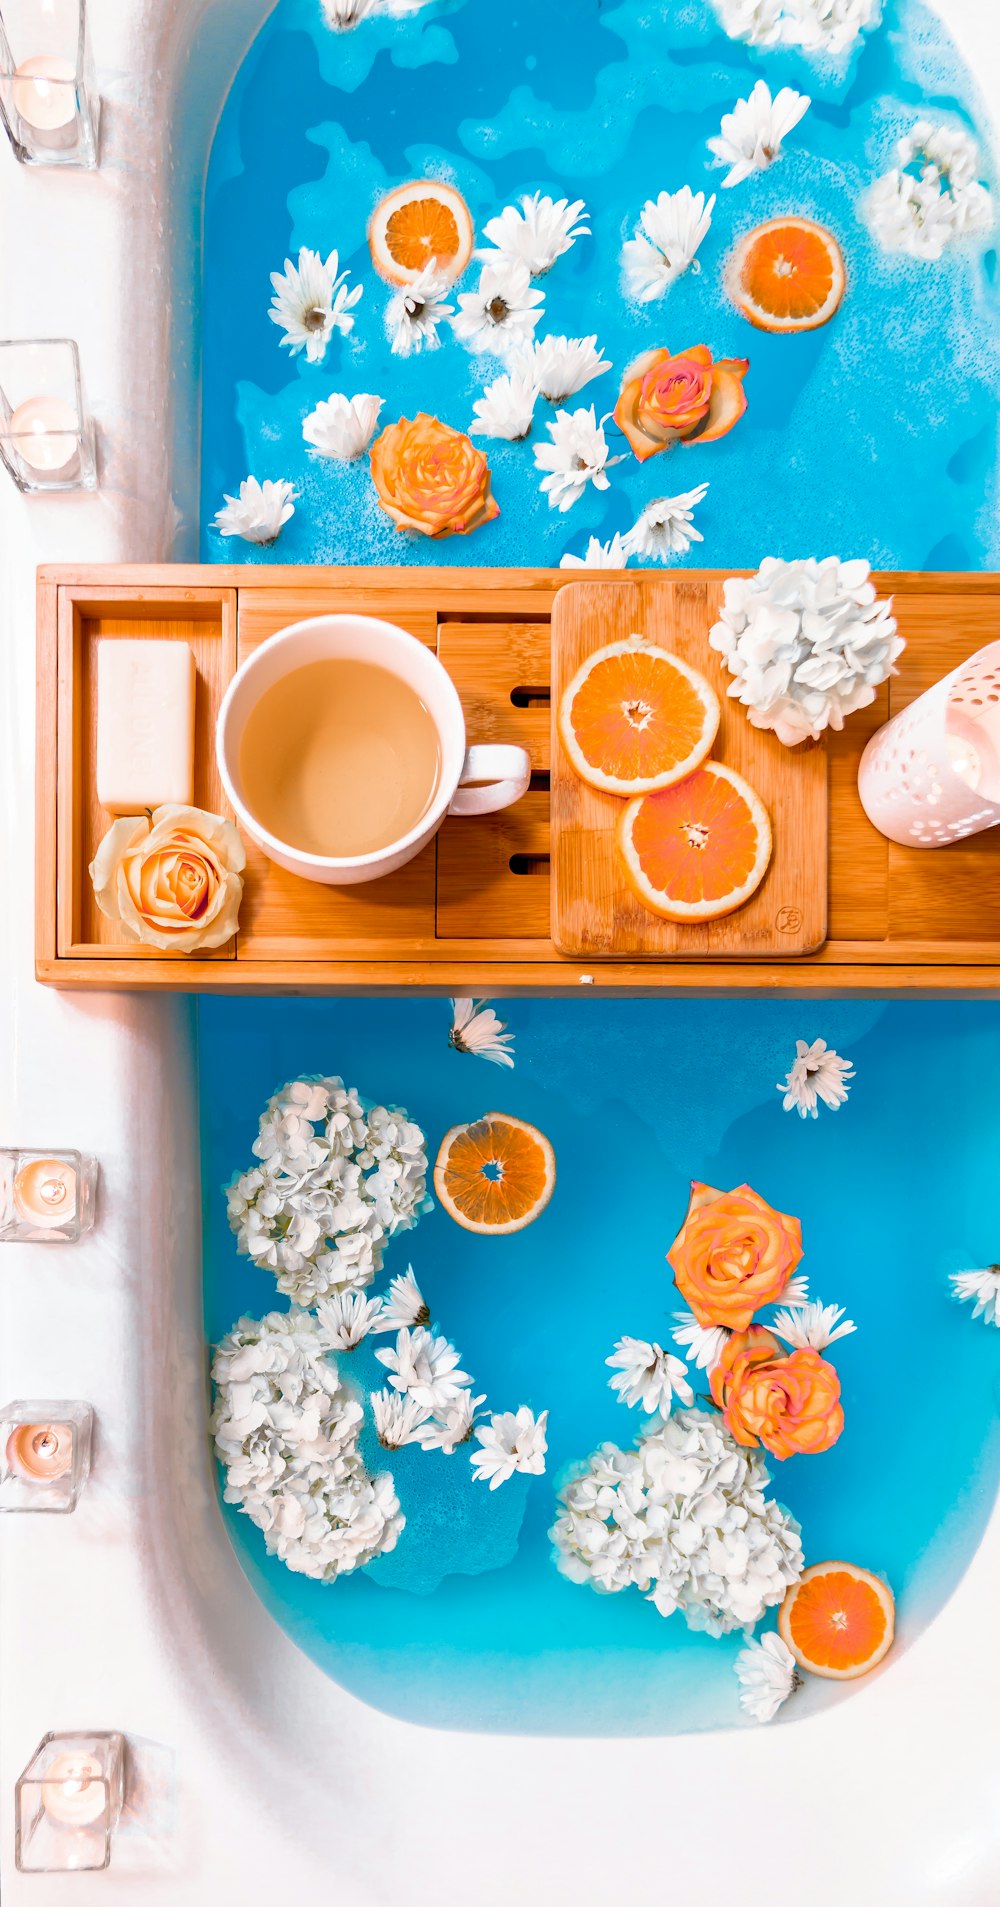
{"x":503,"y":768}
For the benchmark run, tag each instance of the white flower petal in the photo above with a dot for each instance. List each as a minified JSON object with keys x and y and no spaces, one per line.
{"x":260,"y":511}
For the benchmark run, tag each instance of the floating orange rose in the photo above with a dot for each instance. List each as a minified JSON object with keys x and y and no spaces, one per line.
{"x":789,"y":1402}
{"x":432,"y":478}
{"x":683,"y":399}
{"x":733,"y":1253}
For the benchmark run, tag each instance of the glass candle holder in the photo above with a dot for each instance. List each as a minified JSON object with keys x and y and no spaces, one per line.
{"x":46,"y":1198}
{"x":932,"y":774}
{"x":44,"y":1454}
{"x":47,"y":98}
{"x":46,"y":437}
{"x":67,"y":1803}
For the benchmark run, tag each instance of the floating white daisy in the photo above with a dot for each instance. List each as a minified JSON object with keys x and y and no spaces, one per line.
{"x":649,"y":1376}
{"x":598,"y":555}
{"x":922,"y":211}
{"x":475,"y":1028}
{"x":260,"y":511}
{"x":704,"y":1342}
{"x":311,"y":301}
{"x":397,"y":1419}
{"x":751,"y":135}
{"x":812,"y":1327}
{"x":796,"y":1291}
{"x":562,"y":366}
{"x":452,"y":1425}
{"x":425,"y":1367}
{"x":507,"y":406}
{"x":666,"y":526}
{"x":502,"y":311}
{"x":535,"y":232}
{"x":348,"y":1317}
{"x":342,"y":15}
{"x":826,"y":27}
{"x":404,"y":1304}
{"x":577,"y":455}
{"x":767,"y":1676}
{"x":414,"y":312}
{"x":511,"y":1441}
{"x":980,"y":1289}
{"x":816,"y":1073}
{"x":670,"y":230}
{"x":342,"y":427}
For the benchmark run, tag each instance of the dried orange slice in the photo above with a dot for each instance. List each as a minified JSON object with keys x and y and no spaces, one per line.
{"x":635,"y":718}
{"x":419,"y":223}
{"x":838,"y":1620}
{"x":495,"y":1175}
{"x":698,"y":849}
{"x":787,"y":275}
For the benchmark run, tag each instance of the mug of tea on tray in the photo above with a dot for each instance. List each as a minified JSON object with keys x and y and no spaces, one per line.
{"x":341,"y":745}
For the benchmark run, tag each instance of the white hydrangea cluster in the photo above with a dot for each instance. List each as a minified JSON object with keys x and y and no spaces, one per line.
{"x":807,"y":643}
{"x":286,"y":1428}
{"x":922,"y":212}
{"x":682,"y":1517}
{"x":334,"y":1181}
{"x":829,"y":27}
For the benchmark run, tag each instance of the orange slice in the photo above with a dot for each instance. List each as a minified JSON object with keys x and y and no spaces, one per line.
{"x":635,"y":718}
{"x":699,"y":849}
{"x":838,"y":1620}
{"x":495,"y":1175}
{"x":417,"y":224}
{"x":787,"y":275}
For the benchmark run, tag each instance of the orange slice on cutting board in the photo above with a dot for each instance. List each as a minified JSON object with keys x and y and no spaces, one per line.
{"x":787,"y":275}
{"x":838,"y":1620}
{"x":636,"y":718}
{"x":496,"y":1174}
{"x":420,"y":223}
{"x":699,"y":849}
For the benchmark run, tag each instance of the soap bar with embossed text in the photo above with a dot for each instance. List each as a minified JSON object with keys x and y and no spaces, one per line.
{"x":145,"y":724}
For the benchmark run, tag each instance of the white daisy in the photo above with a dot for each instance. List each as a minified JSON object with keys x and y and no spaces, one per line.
{"x":577,"y":455}
{"x":342,"y":15}
{"x":311,"y":301}
{"x":424,"y":1366}
{"x":348,"y":1317}
{"x":816,"y":1072}
{"x":767,"y":1676}
{"x":924,"y":210}
{"x":397,"y":1419}
{"x":811,"y":1327}
{"x":704,"y":1342}
{"x":414,"y":312}
{"x":260,"y":511}
{"x":452,"y":1425}
{"x":507,"y":406}
{"x":563,"y":366}
{"x":666,"y":526}
{"x":598,"y":555}
{"x":342,"y":427}
{"x":512,"y":1440}
{"x":502,"y":311}
{"x":750,"y":136}
{"x":981,"y":1289}
{"x":535,"y":232}
{"x":404,"y":1305}
{"x":668,"y":235}
{"x":796,"y":1291}
{"x":648,"y":1375}
{"x":475,"y":1028}
{"x":827,"y":27}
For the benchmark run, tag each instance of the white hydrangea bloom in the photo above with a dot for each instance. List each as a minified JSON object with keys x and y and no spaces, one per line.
{"x":513,"y":1440}
{"x":816,"y":1073}
{"x":826,"y":27}
{"x":648,"y":1375}
{"x":981,"y":1289}
{"x":666,"y":526}
{"x":750,"y":137}
{"x":535,"y":232}
{"x":670,"y":229}
{"x":342,"y":427}
{"x":767,"y":1676}
{"x":923,"y":211}
{"x":259,"y":513}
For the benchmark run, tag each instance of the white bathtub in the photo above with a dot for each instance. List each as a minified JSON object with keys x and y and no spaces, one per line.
{"x":252,"y":1774}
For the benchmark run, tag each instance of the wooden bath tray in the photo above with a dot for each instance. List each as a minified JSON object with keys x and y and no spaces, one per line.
{"x":471,"y":914}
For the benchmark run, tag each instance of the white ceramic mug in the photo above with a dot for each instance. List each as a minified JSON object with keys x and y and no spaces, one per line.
{"x":501,"y":770}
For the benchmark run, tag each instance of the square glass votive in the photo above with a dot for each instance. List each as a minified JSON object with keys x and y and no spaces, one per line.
{"x":47,"y":98}
{"x":46,"y":1198}
{"x":46,"y":437}
{"x":44,"y":1454}
{"x":67,"y":1803}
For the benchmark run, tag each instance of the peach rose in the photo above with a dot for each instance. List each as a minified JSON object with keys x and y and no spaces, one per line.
{"x":688,"y":399}
{"x":733,"y":1253}
{"x":172,"y":878}
{"x":787,"y":1401}
{"x":432,"y":478}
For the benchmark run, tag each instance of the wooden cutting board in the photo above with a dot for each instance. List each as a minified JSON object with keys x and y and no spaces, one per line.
{"x":594,"y":912}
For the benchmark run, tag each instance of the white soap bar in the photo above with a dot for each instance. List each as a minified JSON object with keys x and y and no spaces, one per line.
{"x":145,"y":724}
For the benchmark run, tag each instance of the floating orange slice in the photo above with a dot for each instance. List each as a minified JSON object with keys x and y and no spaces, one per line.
{"x":838,"y":1620}
{"x":635,"y":718}
{"x":495,"y":1175}
{"x":787,"y":275}
{"x":420,"y":222}
{"x":698,"y":849}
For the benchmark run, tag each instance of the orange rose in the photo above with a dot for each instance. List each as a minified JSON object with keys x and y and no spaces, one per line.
{"x":431,"y":478}
{"x":789,"y":1402}
{"x":733,"y":1253}
{"x":689,"y":399}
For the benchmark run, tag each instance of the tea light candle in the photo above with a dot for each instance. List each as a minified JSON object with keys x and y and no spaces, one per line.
{"x":40,"y":1452}
{"x":44,"y":92}
{"x":45,"y":1192}
{"x":38,"y":430}
{"x":73,"y":1791}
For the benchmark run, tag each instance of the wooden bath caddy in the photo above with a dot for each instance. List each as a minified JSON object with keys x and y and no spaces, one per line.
{"x":472,"y":912}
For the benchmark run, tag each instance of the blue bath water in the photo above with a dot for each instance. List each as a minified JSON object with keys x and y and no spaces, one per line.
{"x":873,"y":436}
{"x":894,"y":1191}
